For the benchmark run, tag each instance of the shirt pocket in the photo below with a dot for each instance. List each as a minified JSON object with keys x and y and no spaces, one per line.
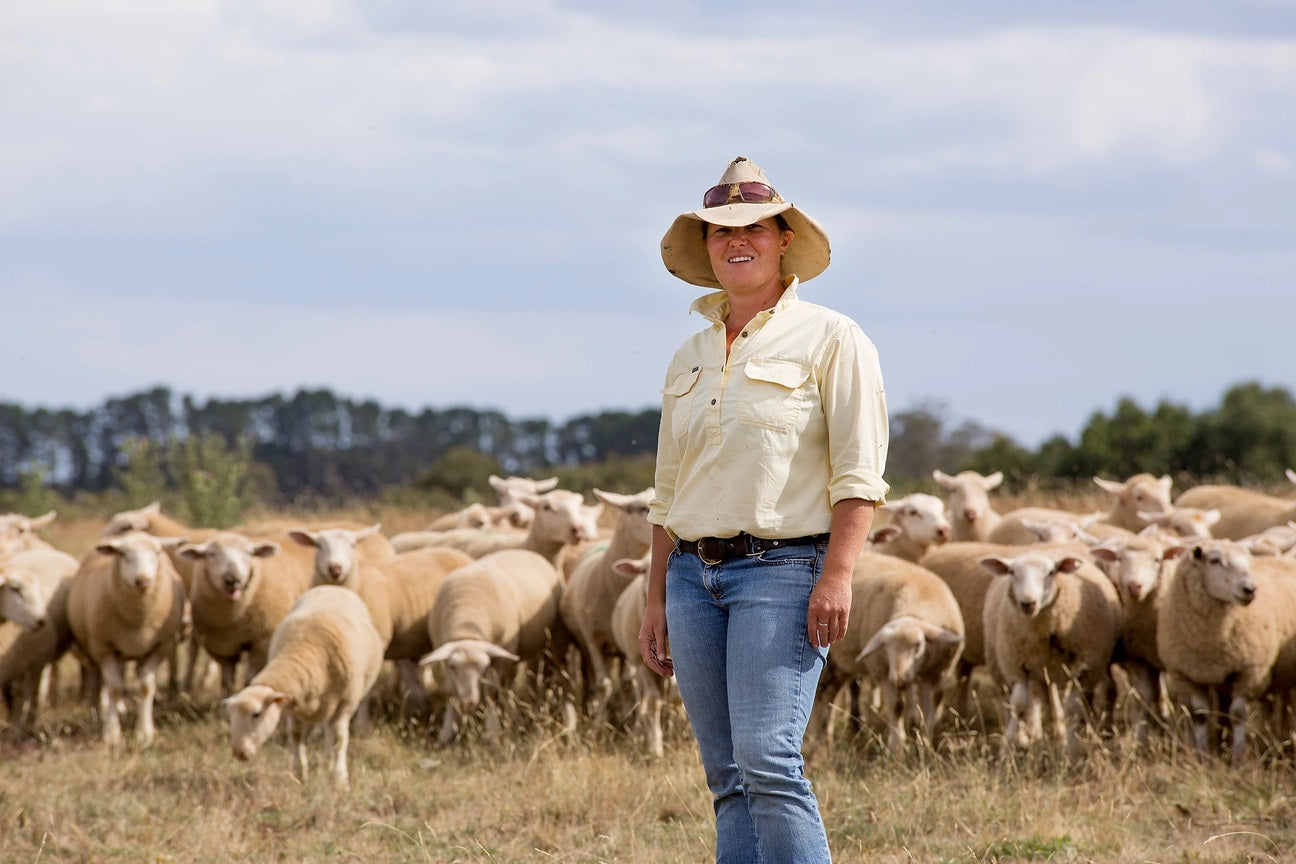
{"x":678,"y":395}
{"x":773,"y":393}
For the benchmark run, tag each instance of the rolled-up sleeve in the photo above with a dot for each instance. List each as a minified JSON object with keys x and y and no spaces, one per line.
{"x":668,"y":463}
{"x":854,"y":404}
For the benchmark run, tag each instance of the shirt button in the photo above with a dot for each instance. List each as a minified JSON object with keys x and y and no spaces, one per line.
{"x":713,"y":401}
{"x":744,"y":334}
{"x":694,"y":369}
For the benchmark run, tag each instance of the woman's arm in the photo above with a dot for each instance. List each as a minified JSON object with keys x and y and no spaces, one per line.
{"x":652,"y":634}
{"x":830,"y":601}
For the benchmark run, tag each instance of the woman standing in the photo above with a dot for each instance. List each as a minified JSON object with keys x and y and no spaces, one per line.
{"x":769,"y":465}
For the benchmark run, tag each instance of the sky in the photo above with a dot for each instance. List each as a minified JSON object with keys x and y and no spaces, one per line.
{"x":1036,"y":209}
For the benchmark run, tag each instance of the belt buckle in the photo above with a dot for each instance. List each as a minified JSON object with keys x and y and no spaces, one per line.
{"x":703,"y":546}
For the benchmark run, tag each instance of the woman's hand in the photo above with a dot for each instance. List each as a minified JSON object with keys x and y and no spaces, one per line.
{"x":652,"y":641}
{"x":829,"y":611}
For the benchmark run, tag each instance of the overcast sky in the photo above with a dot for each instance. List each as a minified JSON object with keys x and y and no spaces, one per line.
{"x":1035,"y":208}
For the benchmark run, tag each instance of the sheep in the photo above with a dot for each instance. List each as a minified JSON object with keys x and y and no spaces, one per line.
{"x":594,"y":587}
{"x":399,"y":592}
{"x":923,"y":524}
{"x":905,"y":635}
{"x":1278,"y":540}
{"x":1183,"y":521}
{"x":324,"y":657}
{"x":126,"y":605}
{"x":1243,"y":512}
{"x":1217,"y":641}
{"x":1142,"y":493}
{"x":501,"y":606}
{"x":1051,"y":622}
{"x":18,"y":532}
{"x":475,"y":515}
{"x":1028,"y":525}
{"x":35,"y":633}
{"x":561,"y":519}
{"x":242,"y":588}
{"x":627,"y":617}
{"x":971,"y":515}
{"x":1140,"y":567}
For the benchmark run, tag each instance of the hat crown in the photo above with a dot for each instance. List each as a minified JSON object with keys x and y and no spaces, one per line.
{"x":743,"y":170}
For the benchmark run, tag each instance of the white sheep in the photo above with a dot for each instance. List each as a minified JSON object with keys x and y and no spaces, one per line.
{"x":126,"y":605}
{"x":1051,"y":622}
{"x":561,"y":519}
{"x":923,"y":524}
{"x":1140,"y":567}
{"x":1142,"y":493}
{"x":33,"y":598}
{"x":18,"y":532}
{"x":971,"y":514}
{"x":1243,"y":512}
{"x":905,"y":636}
{"x":324,"y":657}
{"x":1227,"y":619}
{"x":501,"y":606}
{"x":1183,"y":521}
{"x":1278,"y":540}
{"x":242,"y":588}
{"x":1029,"y":525}
{"x":594,"y":587}
{"x":627,"y":617}
{"x":399,"y":591}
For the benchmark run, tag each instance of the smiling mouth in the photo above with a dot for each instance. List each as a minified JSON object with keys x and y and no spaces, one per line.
{"x":740,"y":259}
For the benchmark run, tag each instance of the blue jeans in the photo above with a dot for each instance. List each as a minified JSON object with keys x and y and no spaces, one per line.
{"x":747,"y":673}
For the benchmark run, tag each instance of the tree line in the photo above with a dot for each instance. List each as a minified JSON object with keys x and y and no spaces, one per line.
{"x":315,"y":444}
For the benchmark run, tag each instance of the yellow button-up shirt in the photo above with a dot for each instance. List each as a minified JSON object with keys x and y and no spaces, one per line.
{"x":769,"y":439}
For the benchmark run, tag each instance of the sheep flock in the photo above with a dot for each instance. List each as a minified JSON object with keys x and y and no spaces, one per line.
{"x":1154,"y":616}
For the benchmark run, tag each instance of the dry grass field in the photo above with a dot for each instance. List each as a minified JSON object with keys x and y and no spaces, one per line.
{"x":537,"y":797}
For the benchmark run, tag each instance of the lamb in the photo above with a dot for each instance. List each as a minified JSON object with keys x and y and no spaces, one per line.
{"x":905,"y":635}
{"x":923,"y":524}
{"x":1051,"y":623}
{"x":971,"y":514}
{"x":595,"y":586}
{"x":1216,"y":640}
{"x":399,"y":592}
{"x":18,"y":532}
{"x":1243,"y":512}
{"x":1140,"y":567}
{"x":34,"y":633}
{"x":324,"y":657}
{"x":627,"y":617}
{"x":561,"y":519}
{"x":126,"y":605}
{"x":501,"y":606}
{"x":242,"y":588}
{"x":1142,"y":493}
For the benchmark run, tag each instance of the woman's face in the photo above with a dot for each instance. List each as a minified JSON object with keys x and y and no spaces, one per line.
{"x":747,"y":257}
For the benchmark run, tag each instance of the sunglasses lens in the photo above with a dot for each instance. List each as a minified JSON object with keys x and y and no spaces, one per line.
{"x":750,"y":192}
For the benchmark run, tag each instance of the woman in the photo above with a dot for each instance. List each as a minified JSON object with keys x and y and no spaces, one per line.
{"x":769,"y":465}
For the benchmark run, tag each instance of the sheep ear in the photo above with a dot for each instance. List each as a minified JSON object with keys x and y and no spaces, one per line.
{"x":940,"y":635}
{"x":942,"y":478}
{"x":878,"y":641}
{"x":41,"y":521}
{"x":995,"y":565}
{"x":109,"y":548}
{"x":192,"y":552}
{"x":886,"y":534}
{"x":368,"y":532}
{"x":153,"y":509}
{"x":1210,"y":517}
{"x":1172,"y":552}
{"x":629,"y":567}
{"x":1104,"y":553}
{"x":1110,"y":485}
{"x":1070,"y":564}
{"x":441,"y":652}
{"x":278,"y":698}
{"x":265,"y":550}
{"x":172,"y":542}
{"x":501,"y":653}
{"x":547,"y":484}
{"x":993,"y":481}
{"x":304,"y":537}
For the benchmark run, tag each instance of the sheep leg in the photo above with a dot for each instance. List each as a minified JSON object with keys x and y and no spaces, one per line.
{"x":1019,"y":703}
{"x":413,"y":684}
{"x":297,"y":752}
{"x":1238,"y":726}
{"x":893,"y":711}
{"x":925,"y":699}
{"x":449,"y":724}
{"x":337,"y":734}
{"x":1144,"y":688}
{"x":1199,"y":708}
{"x":649,"y":708}
{"x":1056,"y":712}
{"x":146,"y":672}
{"x":111,"y":688}
{"x":1039,"y":694}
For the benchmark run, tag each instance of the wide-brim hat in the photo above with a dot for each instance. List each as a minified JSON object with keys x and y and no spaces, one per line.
{"x":683,"y":249}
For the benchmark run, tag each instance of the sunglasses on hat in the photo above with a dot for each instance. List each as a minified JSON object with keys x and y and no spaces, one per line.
{"x":750,"y":192}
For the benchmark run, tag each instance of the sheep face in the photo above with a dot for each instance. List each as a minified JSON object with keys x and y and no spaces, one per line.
{"x":18,"y":532}
{"x":1226,"y":571}
{"x":22,"y":601}
{"x":139,"y":564}
{"x":254,"y":715}
{"x":1134,"y":565}
{"x":632,"y":513}
{"x":132,"y":520}
{"x":466,"y":662}
{"x":230,"y":562}
{"x":905,"y":640}
{"x":335,"y":552}
{"x":1032,"y":578}
{"x":562,"y":515}
{"x":1142,"y":493}
{"x":969,"y":498}
{"x":922,"y":518}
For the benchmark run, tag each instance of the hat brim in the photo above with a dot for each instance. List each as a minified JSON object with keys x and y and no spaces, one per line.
{"x":684,"y":253}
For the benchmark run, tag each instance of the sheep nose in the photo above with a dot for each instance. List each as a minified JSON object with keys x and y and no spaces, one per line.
{"x":1247,"y":591}
{"x":335,"y":570}
{"x":1028,"y":606}
{"x":969,"y":515}
{"x":943,"y":532}
{"x":143,"y":584}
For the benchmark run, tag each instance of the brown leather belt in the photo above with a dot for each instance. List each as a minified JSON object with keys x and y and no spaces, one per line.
{"x":713,"y":550}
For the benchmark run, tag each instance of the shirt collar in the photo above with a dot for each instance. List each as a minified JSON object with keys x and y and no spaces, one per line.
{"x":715,"y":305}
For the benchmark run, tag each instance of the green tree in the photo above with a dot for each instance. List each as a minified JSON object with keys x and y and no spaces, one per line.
{"x":141,"y":472}
{"x":212,"y":479}
{"x":463,"y":473}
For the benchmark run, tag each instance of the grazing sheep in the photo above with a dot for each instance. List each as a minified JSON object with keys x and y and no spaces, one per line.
{"x":501,"y":606}
{"x":126,"y":605}
{"x":399,"y":592}
{"x":242,"y":588}
{"x":324,"y":657}
{"x":905,"y":635}
{"x":1051,"y":622}
{"x":594,"y":587}
{"x":34,"y":585}
{"x":971,"y":514}
{"x":1140,"y":567}
{"x":1243,"y":512}
{"x":923,"y":524}
{"x":1142,"y":493}
{"x":627,"y":617}
{"x":18,"y":532}
{"x":561,"y":519}
{"x":1220,"y":646}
